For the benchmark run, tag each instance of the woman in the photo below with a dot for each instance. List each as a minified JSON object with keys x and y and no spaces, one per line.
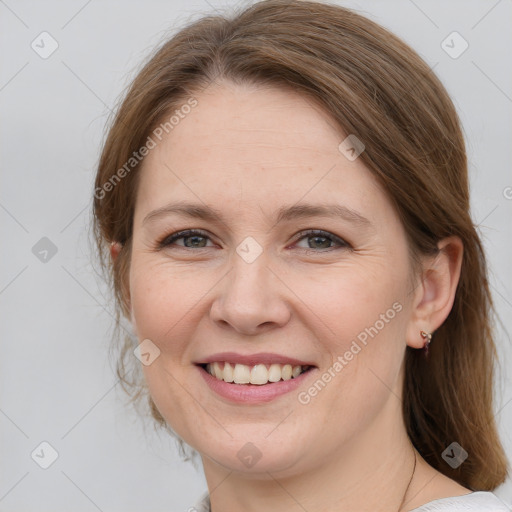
{"x":284,"y":197}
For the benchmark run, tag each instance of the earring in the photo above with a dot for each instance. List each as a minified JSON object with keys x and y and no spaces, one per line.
{"x":427,"y":337}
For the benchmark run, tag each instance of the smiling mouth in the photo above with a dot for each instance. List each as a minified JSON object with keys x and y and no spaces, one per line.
{"x":258,"y":374}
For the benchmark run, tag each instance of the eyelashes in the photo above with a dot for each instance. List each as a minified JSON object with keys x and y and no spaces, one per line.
{"x":200,"y":238}
{"x":322,"y":235}
{"x":189,"y":233}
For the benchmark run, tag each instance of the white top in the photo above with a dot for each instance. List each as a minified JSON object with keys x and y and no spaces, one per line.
{"x":478,"y":501}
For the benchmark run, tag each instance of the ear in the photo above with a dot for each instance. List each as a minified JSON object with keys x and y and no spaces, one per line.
{"x":435,"y":293}
{"x":115,"y":249}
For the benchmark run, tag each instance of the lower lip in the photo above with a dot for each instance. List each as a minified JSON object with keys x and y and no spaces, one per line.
{"x":253,"y":393}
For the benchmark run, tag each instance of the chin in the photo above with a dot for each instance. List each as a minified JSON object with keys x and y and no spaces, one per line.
{"x":257,"y":457}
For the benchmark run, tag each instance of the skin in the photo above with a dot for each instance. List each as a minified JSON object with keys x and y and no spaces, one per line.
{"x":247,"y":151}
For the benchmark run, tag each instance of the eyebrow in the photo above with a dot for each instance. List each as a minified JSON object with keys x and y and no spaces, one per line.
{"x":285,"y":213}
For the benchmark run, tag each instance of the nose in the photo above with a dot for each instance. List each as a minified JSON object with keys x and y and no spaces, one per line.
{"x":251,"y":300}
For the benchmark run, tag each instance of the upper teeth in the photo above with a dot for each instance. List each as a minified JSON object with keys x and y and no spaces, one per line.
{"x":257,"y":374}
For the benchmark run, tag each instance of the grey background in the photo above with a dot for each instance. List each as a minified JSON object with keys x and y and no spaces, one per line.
{"x":57,"y":384}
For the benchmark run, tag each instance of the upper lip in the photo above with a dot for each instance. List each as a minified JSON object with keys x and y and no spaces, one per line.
{"x":253,"y":359}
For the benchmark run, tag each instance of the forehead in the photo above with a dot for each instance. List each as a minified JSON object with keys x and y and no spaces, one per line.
{"x":252,"y":145}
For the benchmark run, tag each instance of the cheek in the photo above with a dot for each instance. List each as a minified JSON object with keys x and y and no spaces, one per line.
{"x":350,"y":302}
{"x":164,"y":300}
{"x":165,"y":307}
{"x":340,"y":302}
{"x":363,"y":316}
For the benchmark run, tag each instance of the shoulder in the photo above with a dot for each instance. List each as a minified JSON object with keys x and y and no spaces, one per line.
{"x":479,"y":501}
{"x":203,"y":505}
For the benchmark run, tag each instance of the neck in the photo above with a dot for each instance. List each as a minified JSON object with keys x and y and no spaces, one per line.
{"x":370,"y":472}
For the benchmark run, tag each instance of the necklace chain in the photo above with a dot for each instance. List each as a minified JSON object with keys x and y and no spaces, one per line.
{"x":406,"y":489}
{"x":410,"y":480}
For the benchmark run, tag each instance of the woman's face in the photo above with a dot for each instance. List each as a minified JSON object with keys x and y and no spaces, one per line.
{"x":305,"y":264}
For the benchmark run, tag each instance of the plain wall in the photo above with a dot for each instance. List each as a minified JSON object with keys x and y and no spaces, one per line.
{"x":57,"y":384}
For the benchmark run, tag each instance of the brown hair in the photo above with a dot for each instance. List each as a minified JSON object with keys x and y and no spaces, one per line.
{"x":378,"y":88}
